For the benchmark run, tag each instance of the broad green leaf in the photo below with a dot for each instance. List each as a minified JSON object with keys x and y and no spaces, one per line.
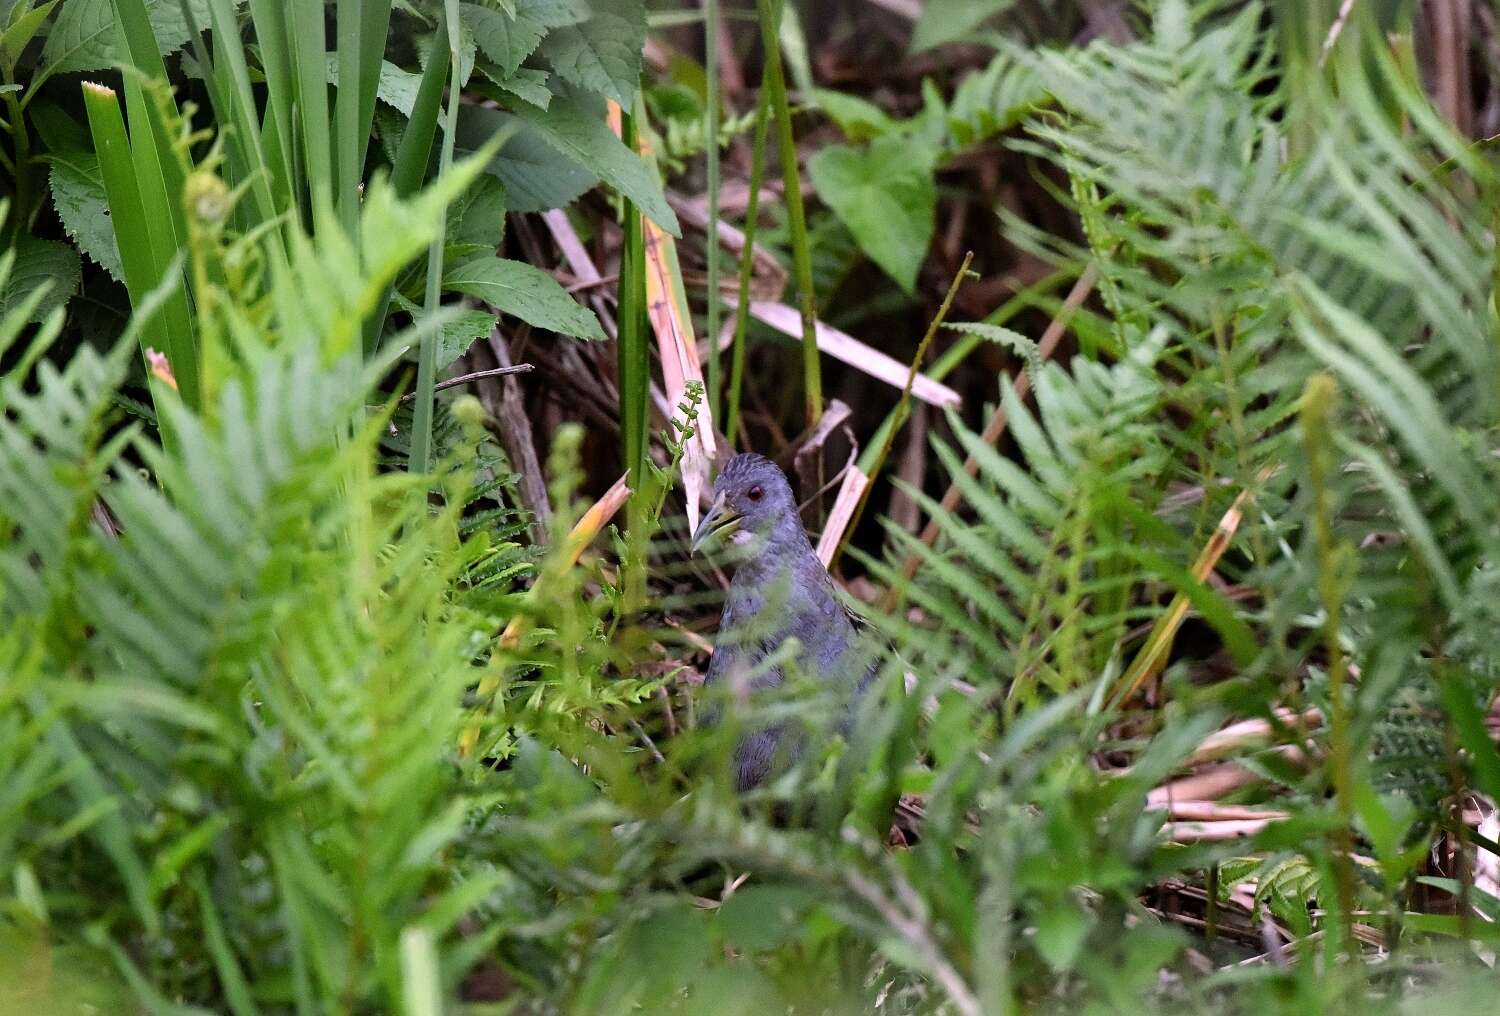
{"x":559,"y":153}
{"x":556,"y":13}
{"x":39,"y":263}
{"x":762,"y":917}
{"x":859,"y":119}
{"x":15,"y":38}
{"x":1060,"y":933}
{"x":460,"y":329}
{"x":952,"y":20}
{"x":887,"y":199}
{"x":479,"y":216}
{"x":396,"y":88}
{"x":536,"y":175}
{"x":503,"y":39}
{"x":78,"y":196}
{"x":602,"y":54}
{"x":83,"y":36}
{"x":462,"y":332}
{"x":468,"y":52}
{"x":528,"y":84}
{"x":577,"y":128}
{"x":523,"y":291}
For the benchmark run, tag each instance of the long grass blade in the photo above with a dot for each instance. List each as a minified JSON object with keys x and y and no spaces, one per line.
{"x":633,"y":359}
{"x":308,"y":45}
{"x":415,"y":151}
{"x":667,"y":310}
{"x":774,"y":82}
{"x":269,"y":18}
{"x":146,"y":253}
{"x":711,"y":140}
{"x":348,"y":149}
{"x":747,"y":266}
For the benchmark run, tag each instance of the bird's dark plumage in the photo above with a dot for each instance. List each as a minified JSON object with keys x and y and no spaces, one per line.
{"x":780,"y":591}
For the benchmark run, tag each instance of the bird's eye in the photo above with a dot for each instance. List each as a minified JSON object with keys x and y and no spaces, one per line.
{"x":756,"y":493}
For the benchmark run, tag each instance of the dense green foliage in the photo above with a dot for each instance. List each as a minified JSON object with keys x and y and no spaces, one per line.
{"x":241,"y":642}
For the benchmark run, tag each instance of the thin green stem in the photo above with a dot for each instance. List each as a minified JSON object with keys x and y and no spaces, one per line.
{"x":22,"y":135}
{"x":421,"y":437}
{"x":774,"y":81}
{"x":747,"y":263}
{"x":711,"y":141}
{"x":903,"y":405}
{"x":959,"y":351}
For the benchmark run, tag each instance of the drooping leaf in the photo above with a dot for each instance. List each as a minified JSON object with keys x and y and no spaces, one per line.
{"x":558,"y":153}
{"x":536,"y":175}
{"x":577,"y":128}
{"x":460,"y":329}
{"x":1060,"y":934}
{"x":887,"y":199}
{"x":41,"y":263}
{"x":557,"y":13}
{"x":524,"y":291}
{"x":764,"y":916}
{"x":602,"y":54}
{"x":78,"y":196}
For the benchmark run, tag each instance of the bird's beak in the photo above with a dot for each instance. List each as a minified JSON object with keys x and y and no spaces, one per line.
{"x":721,"y":520}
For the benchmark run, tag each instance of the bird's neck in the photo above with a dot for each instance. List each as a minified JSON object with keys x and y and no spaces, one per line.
{"x":783,"y":566}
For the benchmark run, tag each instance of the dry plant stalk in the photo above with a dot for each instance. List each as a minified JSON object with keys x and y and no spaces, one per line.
{"x":677,"y":347}
{"x":851,"y":492}
{"x":846,"y":348}
{"x":1153,"y":656}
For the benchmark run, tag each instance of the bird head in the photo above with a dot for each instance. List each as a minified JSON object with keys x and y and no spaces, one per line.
{"x":751,"y":500}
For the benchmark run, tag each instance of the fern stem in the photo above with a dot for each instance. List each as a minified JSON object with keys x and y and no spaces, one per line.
{"x":774,"y":81}
{"x":747,"y":261}
{"x":1317,"y":409}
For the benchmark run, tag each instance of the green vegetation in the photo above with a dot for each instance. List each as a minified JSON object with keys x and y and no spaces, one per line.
{"x":336,"y":676}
